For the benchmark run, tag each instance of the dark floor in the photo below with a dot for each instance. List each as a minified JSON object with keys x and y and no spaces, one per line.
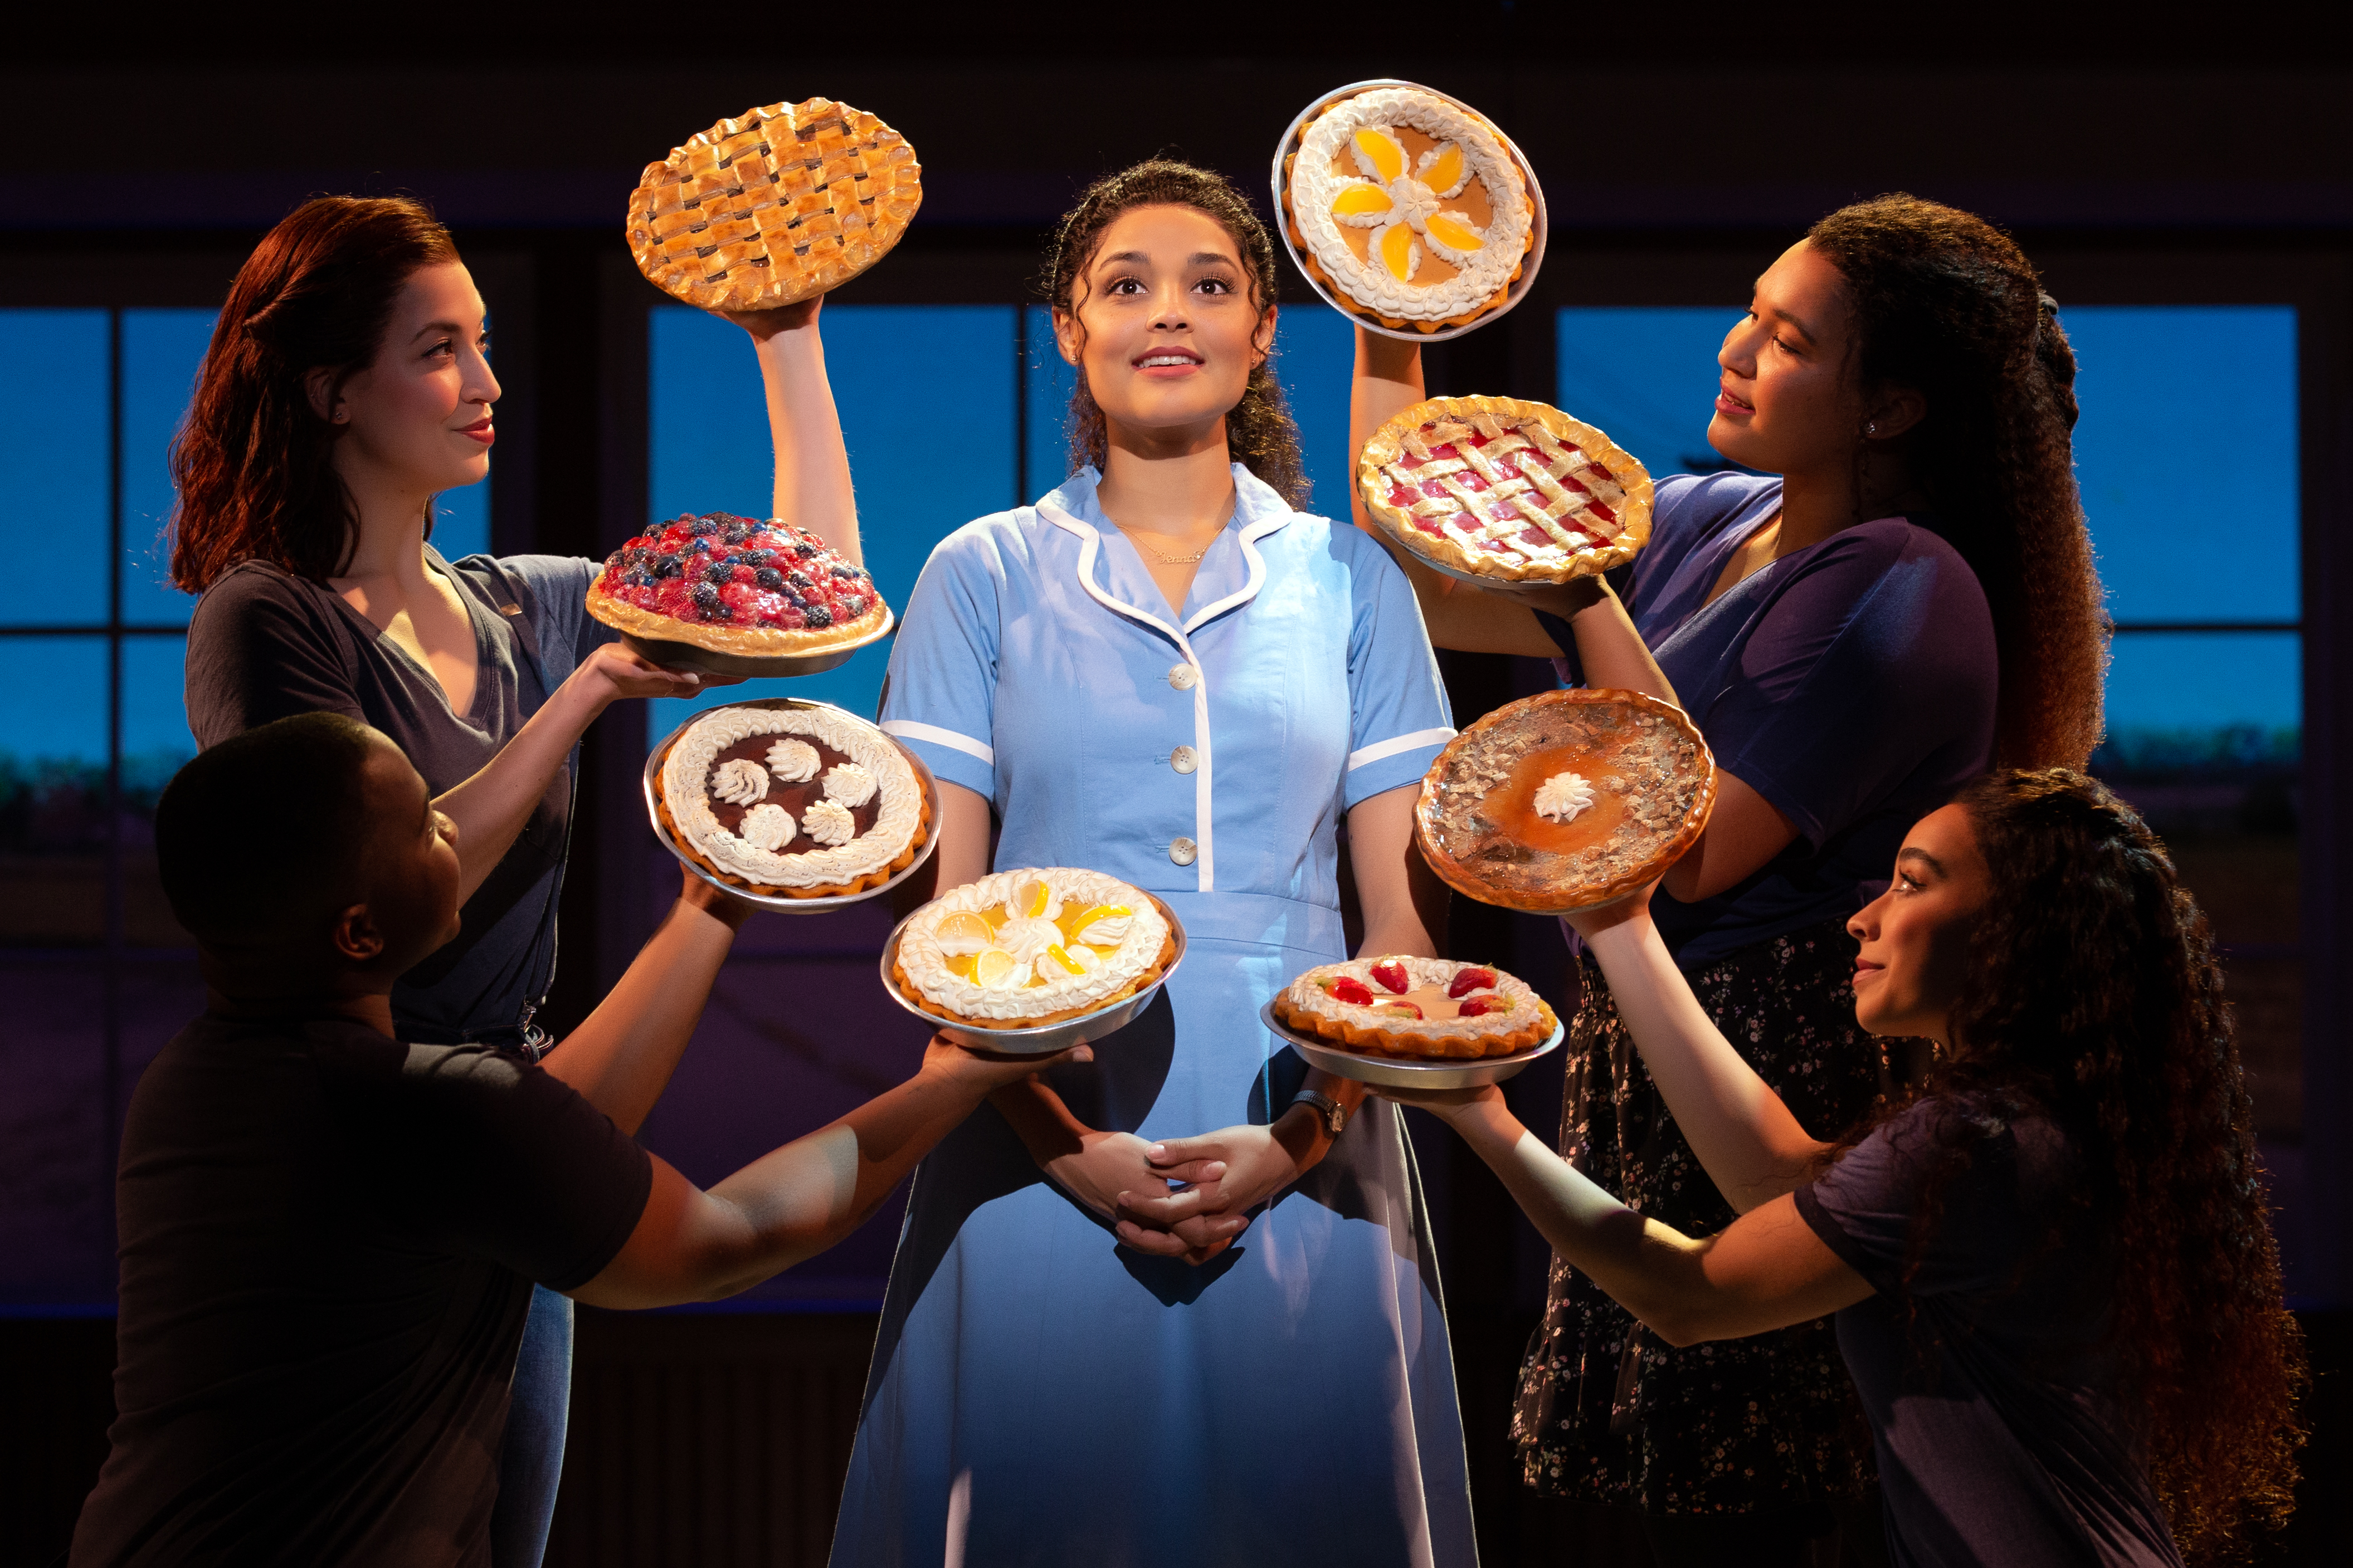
{"x":708,"y":1441}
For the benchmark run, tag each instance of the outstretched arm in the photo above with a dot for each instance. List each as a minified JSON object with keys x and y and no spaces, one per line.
{"x":813,"y":489}
{"x":797,"y":1201}
{"x":1767,"y":1270}
{"x":1752,"y":1148}
{"x":621,"y":1057}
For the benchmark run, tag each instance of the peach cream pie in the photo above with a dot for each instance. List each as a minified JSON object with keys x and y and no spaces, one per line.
{"x":795,"y":802}
{"x":1023,"y":948}
{"x":1410,"y":207}
{"x":1500,"y":488}
{"x":1418,"y":1007}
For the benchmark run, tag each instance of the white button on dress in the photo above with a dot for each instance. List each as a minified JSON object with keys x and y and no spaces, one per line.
{"x":1182,"y":850}
{"x":1184,"y":759}
{"x":1184,"y":677}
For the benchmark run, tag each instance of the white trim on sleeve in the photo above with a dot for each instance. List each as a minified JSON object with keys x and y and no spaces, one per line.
{"x":1381,"y":749}
{"x":908,"y":730}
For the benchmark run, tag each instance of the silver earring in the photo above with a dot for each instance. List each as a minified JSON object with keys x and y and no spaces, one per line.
{"x":1871,"y":429}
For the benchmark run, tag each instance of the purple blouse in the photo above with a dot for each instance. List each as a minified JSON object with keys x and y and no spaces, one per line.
{"x":1852,"y":684}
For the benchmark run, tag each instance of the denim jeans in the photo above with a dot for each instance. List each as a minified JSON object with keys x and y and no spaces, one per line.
{"x":531,"y":1460}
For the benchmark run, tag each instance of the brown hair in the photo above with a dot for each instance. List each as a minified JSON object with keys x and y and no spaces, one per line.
{"x":1946,"y":303}
{"x":2091,"y":996}
{"x":254,"y":463}
{"x":1259,"y":433}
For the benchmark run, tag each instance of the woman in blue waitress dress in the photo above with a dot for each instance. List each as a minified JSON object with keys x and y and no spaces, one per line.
{"x":1076,"y":1364}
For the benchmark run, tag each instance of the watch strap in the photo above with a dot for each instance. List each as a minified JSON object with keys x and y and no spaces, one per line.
{"x":1334,"y":1114}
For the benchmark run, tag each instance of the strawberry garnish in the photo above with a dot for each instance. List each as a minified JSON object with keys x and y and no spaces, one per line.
{"x":1392,"y":975}
{"x":1347,"y":988}
{"x":1390,"y":1005}
{"x":1478,"y":1006}
{"x":1466,"y":981}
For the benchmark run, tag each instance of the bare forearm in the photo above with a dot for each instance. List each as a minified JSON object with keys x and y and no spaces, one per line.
{"x":1751,"y":1147}
{"x":813,"y":486}
{"x":1041,"y":1119}
{"x":491,"y":807}
{"x":1650,"y":1269}
{"x":621,"y":1058}
{"x":811,"y":1194}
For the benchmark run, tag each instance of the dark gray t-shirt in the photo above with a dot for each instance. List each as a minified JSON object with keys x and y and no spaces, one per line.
{"x":1998,"y":1436}
{"x":329,"y":1239}
{"x":264,"y":644}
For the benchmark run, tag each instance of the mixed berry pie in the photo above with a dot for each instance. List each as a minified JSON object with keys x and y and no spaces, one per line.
{"x":1023,"y":948}
{"x":1408,"y":207}
{"x":1431,"y":1008}
{"x":791,"y":799}
{"x":775,"y":206}
{"x":736,"y":586}
{"x":1566,"y":800}
{"x":1498,"y":487}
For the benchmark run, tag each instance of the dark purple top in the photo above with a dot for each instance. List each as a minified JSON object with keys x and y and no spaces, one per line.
{"x":1851,"y":683}
{"x":1993,"y":1411}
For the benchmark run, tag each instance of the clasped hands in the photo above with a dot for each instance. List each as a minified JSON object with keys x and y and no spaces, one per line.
{"x":1181,"y":1197}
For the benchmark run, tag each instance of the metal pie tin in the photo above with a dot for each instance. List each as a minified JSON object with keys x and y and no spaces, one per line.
{"x":1042,"y":1040}
{"x":1407,"y":1072}
{"x":687,"y":656}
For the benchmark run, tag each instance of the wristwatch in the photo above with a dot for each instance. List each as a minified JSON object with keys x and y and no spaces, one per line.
{"x":1333,"y":1114}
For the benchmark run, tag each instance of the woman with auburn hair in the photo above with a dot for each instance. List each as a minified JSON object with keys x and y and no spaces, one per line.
{"x":1890,"y":590}
{"x":347,"y":384}
{"x":1167,"y":671}
{"x":2052,"y":1270}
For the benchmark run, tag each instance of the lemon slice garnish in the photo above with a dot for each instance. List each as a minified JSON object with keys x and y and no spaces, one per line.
{"x":1451,"y":234}
{"x":962,"y":967}
{"x":1444,"y":170}
{"x":1358,"y":200}
{"x":1396,"y":251}
{"x":1385,"y":155}
{"x":1034,"y":897}
{"x":992,"y":967}
{"x":1062,"y":957}
{"x":1075,"y":925}
{"x":966,"y":926}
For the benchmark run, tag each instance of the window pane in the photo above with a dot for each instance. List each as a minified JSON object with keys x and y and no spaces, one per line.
{"x":155,"y":742}
{"x":2204,"y":697}
{"x":2158,"y":380}
{"x":461,"y":522}
{"x":1315,"y":354}
{"x":53,"y":454}
{"x":1646,"y":376}
{"x":925,"y":393}
{"x":53,"y":793}
{"x":162,"y":353}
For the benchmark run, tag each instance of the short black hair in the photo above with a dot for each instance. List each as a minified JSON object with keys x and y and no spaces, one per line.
{"x":262,"y":838}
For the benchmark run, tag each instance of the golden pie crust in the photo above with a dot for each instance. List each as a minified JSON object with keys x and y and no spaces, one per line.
{"x":1509,"y":203}
{"x":1149,"y":975}
{"x":1652,"y":782}
{"x":752,"y":642}
{"x":1529,"y":460}
{"x":773,"y":206}
{"x":1308,"y":1006}
{"x":684,"y":846}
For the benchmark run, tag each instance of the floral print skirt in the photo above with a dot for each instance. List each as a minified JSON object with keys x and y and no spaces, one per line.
{"x":1607,"y":1411}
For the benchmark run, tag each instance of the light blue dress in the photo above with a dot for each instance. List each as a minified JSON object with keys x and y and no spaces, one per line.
{"x":1038,"y":1394}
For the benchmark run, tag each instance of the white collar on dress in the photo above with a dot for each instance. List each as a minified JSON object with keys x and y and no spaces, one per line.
{"x":1258,"y":512}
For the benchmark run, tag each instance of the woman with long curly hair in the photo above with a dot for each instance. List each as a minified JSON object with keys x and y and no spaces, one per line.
{"x":2053,"y":1275}
{"x":348,"y":383}
{"x":1896,"y":593}
{"x":1166,"y":670}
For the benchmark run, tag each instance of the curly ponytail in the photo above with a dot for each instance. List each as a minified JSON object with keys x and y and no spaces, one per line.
{"x":1259,"y":432}
{"x":1946,"y":302}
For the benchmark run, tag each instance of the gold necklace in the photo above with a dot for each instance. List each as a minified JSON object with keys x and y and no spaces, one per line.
{"x":1171,"y":560}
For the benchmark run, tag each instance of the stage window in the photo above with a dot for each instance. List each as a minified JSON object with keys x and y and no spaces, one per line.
{"x":2204,"y":691}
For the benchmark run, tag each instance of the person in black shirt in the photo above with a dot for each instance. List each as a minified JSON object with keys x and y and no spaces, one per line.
{"x":330,"y":1236}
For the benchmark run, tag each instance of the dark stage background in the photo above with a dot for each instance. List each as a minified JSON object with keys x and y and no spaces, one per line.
{"x":2166,"y":157}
